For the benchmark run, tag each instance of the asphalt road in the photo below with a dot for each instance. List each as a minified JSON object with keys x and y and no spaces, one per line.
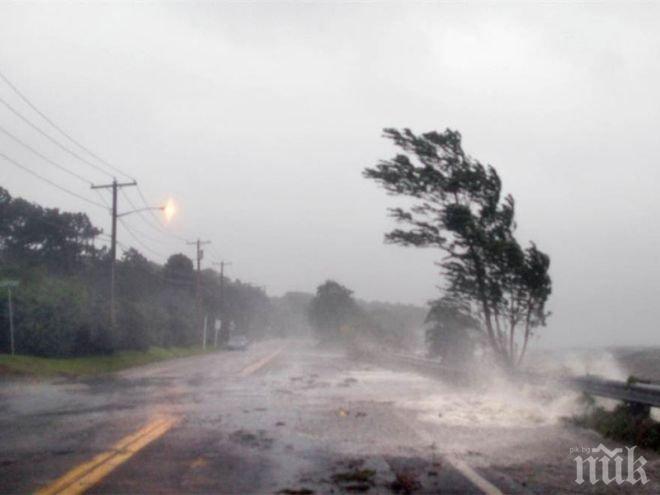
{"x":297,"y":421}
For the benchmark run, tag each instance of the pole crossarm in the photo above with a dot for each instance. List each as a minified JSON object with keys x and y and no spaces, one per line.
{"x":114,"y":184}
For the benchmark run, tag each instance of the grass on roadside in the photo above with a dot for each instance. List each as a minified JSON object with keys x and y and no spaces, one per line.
{"x":91,"y":365}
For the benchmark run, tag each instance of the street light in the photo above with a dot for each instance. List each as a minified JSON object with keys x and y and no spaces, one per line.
{"x":161,"y":208}
{"x":170,"y":209}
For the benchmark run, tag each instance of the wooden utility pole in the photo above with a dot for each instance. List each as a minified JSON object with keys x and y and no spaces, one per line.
{"x":11,"y":322}
{"x":198,"y":285}
{"x":222,"y":265}
{"x":9,"y":284}
{"x":113,"y":243}
{"x":222,"y":282}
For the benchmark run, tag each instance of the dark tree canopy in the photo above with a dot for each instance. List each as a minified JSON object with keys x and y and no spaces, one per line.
{"x":32,"y":235}
{"x":179,"y":270}
{"x":459,"y":208}
{"x":332,"y":307}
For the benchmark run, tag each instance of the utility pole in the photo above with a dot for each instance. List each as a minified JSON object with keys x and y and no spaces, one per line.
{"x":113,"y":245}
{"x":11,"y":322}
{"x":9,"y":284}
{"x":222,"y":265}
{"x":198,"y":289}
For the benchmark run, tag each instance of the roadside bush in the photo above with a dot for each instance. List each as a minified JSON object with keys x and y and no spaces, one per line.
{"x":133,"y":327}
{"x":180,"y":310}
{"x":50,"y":317}
{"x":622,"y":424}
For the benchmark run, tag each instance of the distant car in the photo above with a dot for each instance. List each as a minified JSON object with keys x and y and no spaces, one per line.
{"x":237,"y":343}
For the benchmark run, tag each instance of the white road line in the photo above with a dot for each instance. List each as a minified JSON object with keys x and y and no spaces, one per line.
{"x":461,"y":466}
{"x":475,"y":478}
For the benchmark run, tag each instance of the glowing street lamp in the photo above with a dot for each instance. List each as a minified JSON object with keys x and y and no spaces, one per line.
{"x":169,"y":209}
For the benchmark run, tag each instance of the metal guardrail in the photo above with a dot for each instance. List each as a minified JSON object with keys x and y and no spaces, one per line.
{"x":635,"y":393}
{"x":426,"y":365}
{"x":642,"y":392}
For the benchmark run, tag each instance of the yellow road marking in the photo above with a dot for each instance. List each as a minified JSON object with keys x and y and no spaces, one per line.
{"x":84,"y":476}
{"x":198,"y":463}
{"x":254,"y":367}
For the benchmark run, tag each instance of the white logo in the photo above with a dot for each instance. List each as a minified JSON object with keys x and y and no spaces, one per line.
{"x":607,"y":465}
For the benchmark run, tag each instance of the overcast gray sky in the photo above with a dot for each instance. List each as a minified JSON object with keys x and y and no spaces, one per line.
{"x":258,"y":118}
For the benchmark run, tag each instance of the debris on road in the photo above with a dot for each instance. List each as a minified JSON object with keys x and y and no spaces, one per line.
{"x":260,"y":440}
{"x":357,"y":479}
{"x":347,"y":382}
{"x":296,"y":491}
{"x":406,"y":482}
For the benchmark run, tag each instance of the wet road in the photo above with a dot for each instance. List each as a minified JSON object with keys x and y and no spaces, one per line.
{"x":295,"y":421}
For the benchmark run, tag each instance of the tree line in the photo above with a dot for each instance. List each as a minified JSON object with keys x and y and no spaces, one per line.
{"x":61,"y":307}
{"x":338,"y":318}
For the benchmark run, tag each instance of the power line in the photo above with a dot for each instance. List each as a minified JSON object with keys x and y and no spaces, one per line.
{"x":44,"y":157}
{"x":144,"y":236}
{"x":68,"y":136}
{"x":138,"y":240}
{"x":26,"y":100}
{"x":215,"y":253}
{"x":52,"y":139}
{"x":41,"y":177}
{"x":59,"y":129}
{"x":102,"y":198}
